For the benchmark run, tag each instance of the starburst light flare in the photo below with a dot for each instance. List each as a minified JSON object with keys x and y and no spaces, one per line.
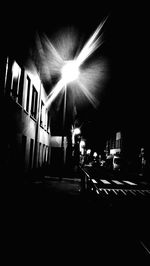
{"x":91,"y":45}
{"x":53,"y":94}
{"x":61,"y":59}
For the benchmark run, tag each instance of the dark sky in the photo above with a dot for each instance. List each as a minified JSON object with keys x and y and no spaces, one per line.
{"x":124,"y":103}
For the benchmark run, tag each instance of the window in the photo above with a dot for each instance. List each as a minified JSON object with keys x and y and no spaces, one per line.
{"x":8,"y":77}
{"x":42,"y":115}
{"x":16,"y":71}
{"x":43,"y":154}
{"x":21,"y":83}
{"x":34,"y":102}
{"x":28,"y":84}
{"x":46,"y":154}
{"x":4,"y":72}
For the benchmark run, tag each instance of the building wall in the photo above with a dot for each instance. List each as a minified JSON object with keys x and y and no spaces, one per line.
{"x":114,"y":144}
{"x":26,"y":122}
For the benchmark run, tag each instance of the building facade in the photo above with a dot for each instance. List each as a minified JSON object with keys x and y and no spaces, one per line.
{"x":25,"y":132}
{"x":114,"y":144}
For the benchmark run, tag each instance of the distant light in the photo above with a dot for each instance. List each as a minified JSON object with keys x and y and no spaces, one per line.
{"x":82,"y":146}
{"x":95,"y":154}
{"x":88,"y":151}
{"x":82,"y":143}
{"x":76,"y":131}
{"x":70,"y":71}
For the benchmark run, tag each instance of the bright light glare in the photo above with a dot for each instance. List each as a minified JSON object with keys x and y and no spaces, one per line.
{"x":70,"y":71}
{"x":82,"y":146}
{"x":82,"y":143}
{"x":95,"y":154}
{"x":76,"y":131}
{"x":16,"y":70}
{"x":88,"y":151}
{"x":63,"y":58}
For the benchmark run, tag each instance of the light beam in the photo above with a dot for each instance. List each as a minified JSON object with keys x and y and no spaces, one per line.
{"x":53,"y":94}
{"x":91,"y":45}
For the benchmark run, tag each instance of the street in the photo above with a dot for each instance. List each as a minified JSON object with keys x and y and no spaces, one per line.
{"x":109,"y":222}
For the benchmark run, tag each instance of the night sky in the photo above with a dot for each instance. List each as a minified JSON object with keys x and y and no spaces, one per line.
{"x":124,"y":101}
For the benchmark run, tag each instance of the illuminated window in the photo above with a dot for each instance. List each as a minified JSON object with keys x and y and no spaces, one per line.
{"x":34,"y":102}
{"x":16,"y":72}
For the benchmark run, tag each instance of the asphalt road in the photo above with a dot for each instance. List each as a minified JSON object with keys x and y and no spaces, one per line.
{"x":77,"y":223}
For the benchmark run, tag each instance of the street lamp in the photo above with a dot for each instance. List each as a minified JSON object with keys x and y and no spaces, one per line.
{"x":57,"y":59}
{"x":54,"y":62}
{"x":76,"y":131}
{"x":69,"y":73}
